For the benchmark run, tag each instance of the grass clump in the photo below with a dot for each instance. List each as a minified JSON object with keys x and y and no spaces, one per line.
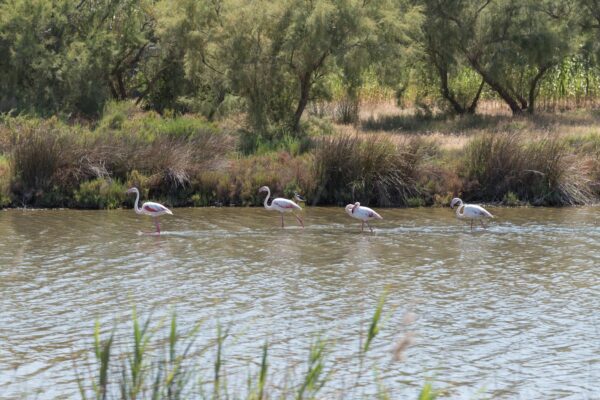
{"x":372,"y":171}
{"x":541,"y":172}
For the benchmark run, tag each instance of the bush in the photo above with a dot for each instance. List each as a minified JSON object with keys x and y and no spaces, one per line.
{"x":44,"y":160}
{"x":99,"y":194}
{"x":373,"y":171}
{"x":542,"y":172}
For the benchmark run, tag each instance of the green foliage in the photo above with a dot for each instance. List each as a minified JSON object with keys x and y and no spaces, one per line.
{"x":99,"y":193}
{"x":511,"y":199}
{"x":280,"y":53}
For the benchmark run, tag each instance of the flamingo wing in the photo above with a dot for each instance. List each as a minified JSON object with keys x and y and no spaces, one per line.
{"x":155,"y":208}
{"x":285,"y":204}
{"x":474,"y":211}
{"x":367,"y":213}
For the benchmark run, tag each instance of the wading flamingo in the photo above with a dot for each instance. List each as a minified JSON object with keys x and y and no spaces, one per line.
{"x":471,"y":212}
{"x":280,"y":204}
{"x":363,"y":213}
{"x":154,"y":210}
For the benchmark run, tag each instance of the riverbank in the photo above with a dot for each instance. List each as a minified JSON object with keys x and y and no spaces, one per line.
{"x":388,"y":159}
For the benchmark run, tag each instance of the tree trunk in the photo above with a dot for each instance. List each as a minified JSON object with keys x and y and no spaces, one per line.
{"x":121,"y":86}
{"x":305,"y":84}
{"x":445,"y":89}
{"x":496,"y":86}
{"x":533,"y":87}
{"x":473,"y":106}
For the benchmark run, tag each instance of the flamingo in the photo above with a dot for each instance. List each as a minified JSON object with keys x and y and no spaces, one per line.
{"x":471,"y":212}
{"x":363,"y":213}
{"x":280,"y":204}
{"x":154,"y":210}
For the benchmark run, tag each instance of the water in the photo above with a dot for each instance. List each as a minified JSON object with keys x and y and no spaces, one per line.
{"x":511,"y":312}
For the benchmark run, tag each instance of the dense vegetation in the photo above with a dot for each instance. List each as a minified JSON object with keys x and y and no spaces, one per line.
{"x":200,"y":102}
{"x":273,"y":58}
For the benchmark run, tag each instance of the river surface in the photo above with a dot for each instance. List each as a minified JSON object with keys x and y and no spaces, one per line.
{"x":508,"y":312}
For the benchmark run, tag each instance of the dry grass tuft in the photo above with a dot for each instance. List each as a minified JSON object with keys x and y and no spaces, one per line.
{"x":372,"y":171}
{"x":541,"y":172}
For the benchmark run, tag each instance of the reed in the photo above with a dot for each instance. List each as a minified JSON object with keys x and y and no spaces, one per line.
{"x":139,"y":369}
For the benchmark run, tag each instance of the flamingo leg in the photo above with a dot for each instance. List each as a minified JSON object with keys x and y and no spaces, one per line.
{"x":282,"y":220}
{"x":482,"y":224}
{"x":157,"y":225}
{"x":471,"y":225}
{"x":362,"y":226}
{"x":366,"y":222}
{"x":299,"y":220}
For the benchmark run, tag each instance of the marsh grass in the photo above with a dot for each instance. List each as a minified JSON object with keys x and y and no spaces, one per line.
{"x":374,"y":171}
{"x":541,"y":172}
{"x":175,"y":366}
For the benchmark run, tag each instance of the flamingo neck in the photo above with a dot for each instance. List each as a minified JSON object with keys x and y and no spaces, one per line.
{"x":461,"y":206}
{"x":135,"y":205}
{"x":267,"y":206}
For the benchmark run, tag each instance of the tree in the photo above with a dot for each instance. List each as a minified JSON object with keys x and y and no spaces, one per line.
{"x":512,"y":44}
{"x":440,"y":41}
{"x":273,"y":54}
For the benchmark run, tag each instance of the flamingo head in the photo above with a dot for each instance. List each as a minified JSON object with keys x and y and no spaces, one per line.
{"x":132,"y":190}
{"x":349,"y":208}
{"x":456,"y":202}
{"x":263,"y":189}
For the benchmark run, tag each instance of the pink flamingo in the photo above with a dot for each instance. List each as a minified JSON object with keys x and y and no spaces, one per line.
{"x":152,"y":209}
{"x":280,"y":204}
{"x":471,"y":212}
{"x":363,"y":213}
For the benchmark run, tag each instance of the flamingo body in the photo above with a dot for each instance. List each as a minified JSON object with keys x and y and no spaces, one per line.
{"x":362,"y":213}
{"x":471,"y":212}
{"x":154,"y":209}
{"x":280,"y":204}
{"x":150,"y":208}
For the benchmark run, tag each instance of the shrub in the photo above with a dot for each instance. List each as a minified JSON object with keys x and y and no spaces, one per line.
{"x":373,"y":170}
{"x":542,"y":172}
{"x":99,"y":194}
{"x":44,"y":159}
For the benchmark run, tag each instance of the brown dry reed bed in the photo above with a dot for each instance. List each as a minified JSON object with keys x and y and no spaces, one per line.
{"x":182,"y":161}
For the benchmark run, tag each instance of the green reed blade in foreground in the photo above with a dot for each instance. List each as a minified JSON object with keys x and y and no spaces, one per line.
{"x":143,"y":373}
